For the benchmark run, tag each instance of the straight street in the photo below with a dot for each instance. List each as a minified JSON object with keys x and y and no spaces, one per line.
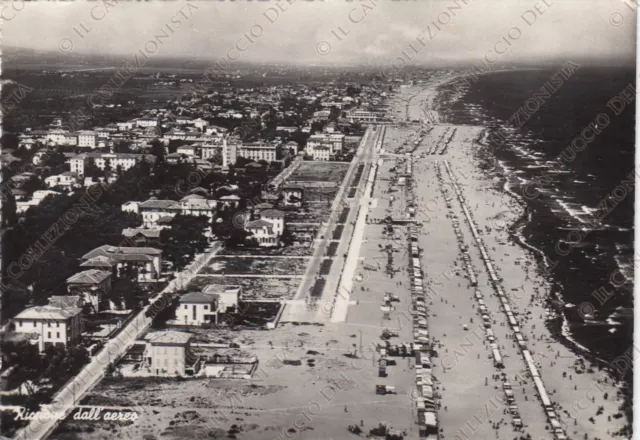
{"x":318,"y":309}
{"x":67,"y":398}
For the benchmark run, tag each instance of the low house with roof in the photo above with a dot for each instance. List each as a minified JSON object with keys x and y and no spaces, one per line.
{"x":270,"y":198}
{"x":132,"y":206}
{"x":147,"y":122}
{"x":198,"y":308}
{"x":175,"y":158}
{"x":92,"y":286}
{"x":292,"y":146}
{"x":262,"y":231}
{"x":276,"y":218}
{"x":144,"y":236}
{"x":50,"y":325}
{"x":154,"y":210}
{"x":168,"y":353}
{"x":197,"y":205}
{"x":268,"y":228}
{"x":230,"y":201}
{"x":36,"y":198}
{"x":125,"y":126}
{"x":65,"y":180}
{"x":189,"y":150}
{"x":292,"y":195}
{"x":146,"y":262}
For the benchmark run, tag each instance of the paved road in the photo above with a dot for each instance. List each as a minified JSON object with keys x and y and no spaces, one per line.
{"x":67,"y":398}
{"x":312,"y":310}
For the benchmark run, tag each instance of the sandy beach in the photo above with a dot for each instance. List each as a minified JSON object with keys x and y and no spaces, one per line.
{"x":584,"y":389}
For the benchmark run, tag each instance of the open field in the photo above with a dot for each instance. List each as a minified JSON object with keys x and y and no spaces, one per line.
{"x":320,"y":194}
{"x":313,"y":214}
{"x":306,"y":376}
{"x":311,"y":171}
{"x":253,"y":288}
{"x":287,"y":251}
{"x":256,"y":266}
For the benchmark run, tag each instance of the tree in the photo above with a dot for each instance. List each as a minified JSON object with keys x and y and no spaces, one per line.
{"x":229,"y":230}
{"x":157,"y":149}
{"x":62,"y":363}
{"x":91,"y":170}
{"x":127,"y":290}
{"x":184,"y":239}
{"x":287,"y":237}
{"x":122,"y":147}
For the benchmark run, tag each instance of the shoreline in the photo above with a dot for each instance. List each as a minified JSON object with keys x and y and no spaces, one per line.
{"x":559,"y":324}
{"x":567,"y":331}
{"x":553,"y":323}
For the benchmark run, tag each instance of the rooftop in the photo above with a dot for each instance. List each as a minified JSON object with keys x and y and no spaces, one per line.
{"x":220,"y":288}
{"x":272,"y":213}
{"x":160,"y":204}
{"x":257,"y":224}
{"x":89,"y":276}
{"x":49,"y":312}
{"x":198,"y":298}
{"x":169,"y":337}
{"x":64,"y":301}
{"x":117,"y":252}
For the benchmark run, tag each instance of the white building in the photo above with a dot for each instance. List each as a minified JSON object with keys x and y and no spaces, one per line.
{"x":268,"y":229}
{"x":36,"y":198}
{"x":335,"y":142}
{"x":229,"y":153}
{"x":49,"y":325}
{"x":276,"y":218}
{"x":147,"y":122}
{"x":57,"y":136}
{"x":77,"y":164}
{"x":64,"y":180}
{"x":198,"y":308}
{"x":258,"y":151}
{"x":189,"y":150}
{"x":87,"y":138}
{"x":292,"y":145}
{"x":155,"y":211}
{"x":197,"y":205}
{"x":131,"y":207}
{"x":321,"y":153}
{"x":262,"y":232}
{"x":363,"y":116}
{"x":115,"y":160}
{"x":125,"y":126}
{"x":71,"y":139}
{"x":286,"y":129}
{"x":207,"y":151}
{"x":200,"y":123}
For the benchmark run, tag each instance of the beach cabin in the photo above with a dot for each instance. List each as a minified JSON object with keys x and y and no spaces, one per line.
{"x":543,"y":393}
{"x":497,"y":359}
{"x":530,"y":364}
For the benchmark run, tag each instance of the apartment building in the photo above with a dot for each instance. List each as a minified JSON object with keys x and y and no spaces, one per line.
{"x":50,"y":325}
{"x":87,"y":138}
{"x":258,"y":151}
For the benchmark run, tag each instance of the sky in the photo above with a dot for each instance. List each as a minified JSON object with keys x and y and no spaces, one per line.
{"x":430,"y":32}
